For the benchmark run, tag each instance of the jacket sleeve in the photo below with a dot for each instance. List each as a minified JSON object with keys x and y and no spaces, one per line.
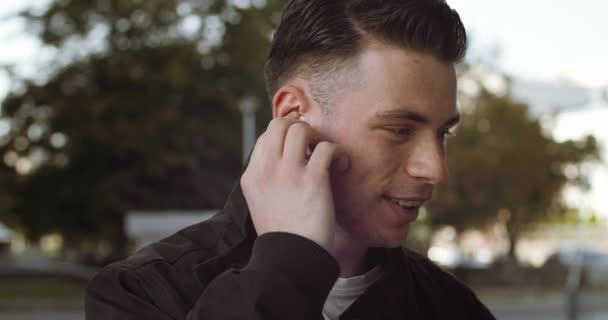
{"x":287,"y":277}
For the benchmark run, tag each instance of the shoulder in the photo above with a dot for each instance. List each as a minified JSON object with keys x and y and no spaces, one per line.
{"x":426,"y":270}
{"x":173,"y":270}
{"x":184,"y":248}
{"x":439,"y":286}
{"x":202,"y":240}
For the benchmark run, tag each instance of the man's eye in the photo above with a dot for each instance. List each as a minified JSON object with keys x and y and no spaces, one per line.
{"x":401,"y":131}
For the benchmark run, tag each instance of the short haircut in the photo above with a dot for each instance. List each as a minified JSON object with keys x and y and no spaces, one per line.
{"x":316,"y":37}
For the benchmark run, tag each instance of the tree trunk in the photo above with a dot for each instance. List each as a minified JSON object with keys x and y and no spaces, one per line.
{"x":513,"y":235}
{"x":118,"y":237}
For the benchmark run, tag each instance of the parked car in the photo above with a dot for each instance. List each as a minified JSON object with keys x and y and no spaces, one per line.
{"x":571,"y":257}
{"x":594,"y":263}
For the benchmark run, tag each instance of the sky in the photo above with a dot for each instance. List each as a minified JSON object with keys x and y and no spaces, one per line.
{"x":541,"y":39}
{"x":546,"y":40}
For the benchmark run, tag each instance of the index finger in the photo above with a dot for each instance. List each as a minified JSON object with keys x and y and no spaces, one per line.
{"x":326,"y":154}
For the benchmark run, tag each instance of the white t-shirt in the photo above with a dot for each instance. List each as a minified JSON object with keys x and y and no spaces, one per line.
{"x":346,"y":291}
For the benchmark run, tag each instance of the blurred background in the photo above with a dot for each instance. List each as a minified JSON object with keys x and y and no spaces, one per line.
{"x":123,"y":121}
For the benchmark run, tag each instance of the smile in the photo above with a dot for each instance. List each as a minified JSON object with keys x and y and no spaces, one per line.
{"x":406,"y":210}
{"x":411,"y":204}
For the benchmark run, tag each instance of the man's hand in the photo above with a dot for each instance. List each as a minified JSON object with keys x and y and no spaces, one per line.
{"x":286,"y":190}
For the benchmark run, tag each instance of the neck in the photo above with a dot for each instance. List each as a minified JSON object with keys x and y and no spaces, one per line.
{"x":350,"y":254}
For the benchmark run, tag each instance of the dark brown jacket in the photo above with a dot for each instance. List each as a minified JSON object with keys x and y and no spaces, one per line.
{"x":219,"y":269}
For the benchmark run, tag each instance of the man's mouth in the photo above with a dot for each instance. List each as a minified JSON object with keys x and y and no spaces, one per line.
{"x":410,"y":204}
{"x":406,"y":208}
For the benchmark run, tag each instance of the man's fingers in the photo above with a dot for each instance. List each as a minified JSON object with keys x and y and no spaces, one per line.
{"x":300,"y":137}
{"x":292,"y":115}
{"x":275,"y":136}
{"x":325,"y":154}
{"x":291,"y":140}
{"x":296,"y":141}
{"x":270,"y":142}
{"x":256,"y":152}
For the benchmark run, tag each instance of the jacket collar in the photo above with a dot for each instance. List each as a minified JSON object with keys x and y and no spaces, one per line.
{"x":236,"y":208}
{"x":235,"y":245}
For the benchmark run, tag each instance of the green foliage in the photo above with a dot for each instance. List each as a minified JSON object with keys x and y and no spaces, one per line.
{"x":504,"y":168}
{"x":147,"y":107}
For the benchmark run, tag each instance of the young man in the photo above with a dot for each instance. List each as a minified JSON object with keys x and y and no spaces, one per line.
{"x":363,"y":96}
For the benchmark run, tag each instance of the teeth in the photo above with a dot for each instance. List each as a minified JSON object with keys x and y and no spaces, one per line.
{"x":407,"y":203}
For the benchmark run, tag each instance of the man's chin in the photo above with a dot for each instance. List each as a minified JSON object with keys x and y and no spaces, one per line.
{"x":391,"y":240}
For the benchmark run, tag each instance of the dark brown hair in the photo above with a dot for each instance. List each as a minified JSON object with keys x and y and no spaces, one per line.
{"x":314,"y":34}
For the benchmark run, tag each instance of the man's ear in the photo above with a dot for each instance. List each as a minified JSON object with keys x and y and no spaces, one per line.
{"x":289,"y":99}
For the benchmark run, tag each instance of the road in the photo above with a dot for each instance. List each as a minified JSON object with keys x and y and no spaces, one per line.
{"x":533,"y":304}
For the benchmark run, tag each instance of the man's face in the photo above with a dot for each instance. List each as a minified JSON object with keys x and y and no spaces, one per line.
{"x":393,"y":128}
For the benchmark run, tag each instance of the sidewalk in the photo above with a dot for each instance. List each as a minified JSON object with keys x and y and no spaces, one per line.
{"x":541,"y":304}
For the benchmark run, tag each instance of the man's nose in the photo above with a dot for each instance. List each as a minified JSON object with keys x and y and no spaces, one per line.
{"x":427,"y":162}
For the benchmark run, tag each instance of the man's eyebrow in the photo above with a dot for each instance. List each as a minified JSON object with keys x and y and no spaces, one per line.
{"x":401,"y":115}
{"x":415,"y":117}
{"x":451,"y":121}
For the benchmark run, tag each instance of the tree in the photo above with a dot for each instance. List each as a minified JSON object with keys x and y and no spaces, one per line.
{"x":145,"y":117}
{"x":504,"y":167}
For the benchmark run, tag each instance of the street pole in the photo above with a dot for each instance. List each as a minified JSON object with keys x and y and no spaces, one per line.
{"x":248,"y":107}
{"x":576,"y":270}
{"x":573,"y":288}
